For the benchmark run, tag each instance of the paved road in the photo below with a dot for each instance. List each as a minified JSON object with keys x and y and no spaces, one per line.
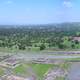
{"x":74,"y":72}
{"x":46,"y":56}
{"x":51,"y":55}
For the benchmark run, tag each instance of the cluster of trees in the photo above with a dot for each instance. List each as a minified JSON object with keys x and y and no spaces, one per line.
{"x":42,"y":36}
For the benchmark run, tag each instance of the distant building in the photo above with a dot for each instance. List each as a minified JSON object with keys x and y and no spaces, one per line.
{"x":76,"y":39}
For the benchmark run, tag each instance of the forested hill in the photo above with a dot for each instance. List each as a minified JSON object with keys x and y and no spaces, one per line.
{"x":43,"y":36}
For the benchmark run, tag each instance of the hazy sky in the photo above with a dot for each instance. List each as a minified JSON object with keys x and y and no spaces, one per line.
{"x":39,"y":11}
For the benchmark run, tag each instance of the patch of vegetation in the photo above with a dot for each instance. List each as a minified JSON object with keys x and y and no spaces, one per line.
{"x":41,"y":69}
{"x":60,"y":78}
{"x":65,"y":65}
{"x":73,"y":59}
{"x":42,"y":46}
{"x":59,"y":36}
{"x":21,"y":70}
{"x":1,"y":71}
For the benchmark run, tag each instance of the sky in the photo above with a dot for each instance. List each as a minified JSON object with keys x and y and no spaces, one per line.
{"x":39,"y":11}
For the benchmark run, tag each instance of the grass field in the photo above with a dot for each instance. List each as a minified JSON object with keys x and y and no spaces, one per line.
{"x":39,"y":69}
{"x":22,"y":70}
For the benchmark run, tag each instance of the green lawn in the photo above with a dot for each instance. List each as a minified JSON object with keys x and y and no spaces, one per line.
{"x":21,"y":70}
{"x":41,"y":69}
{"x":38,"y":69}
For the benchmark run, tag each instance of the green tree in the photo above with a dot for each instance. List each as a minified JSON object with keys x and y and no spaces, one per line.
{"x":61,"y":46}
{"x":42,"y":46}
{"x":76,"y":42}
{"x":73,"y":46}
{"x":22,"y":47}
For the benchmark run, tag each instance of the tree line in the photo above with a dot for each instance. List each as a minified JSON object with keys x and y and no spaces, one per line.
{"x":42,"y":36}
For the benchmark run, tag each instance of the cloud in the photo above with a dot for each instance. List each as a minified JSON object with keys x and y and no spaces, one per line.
{"x":67,"y":4}
{"x":9,"y":2}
